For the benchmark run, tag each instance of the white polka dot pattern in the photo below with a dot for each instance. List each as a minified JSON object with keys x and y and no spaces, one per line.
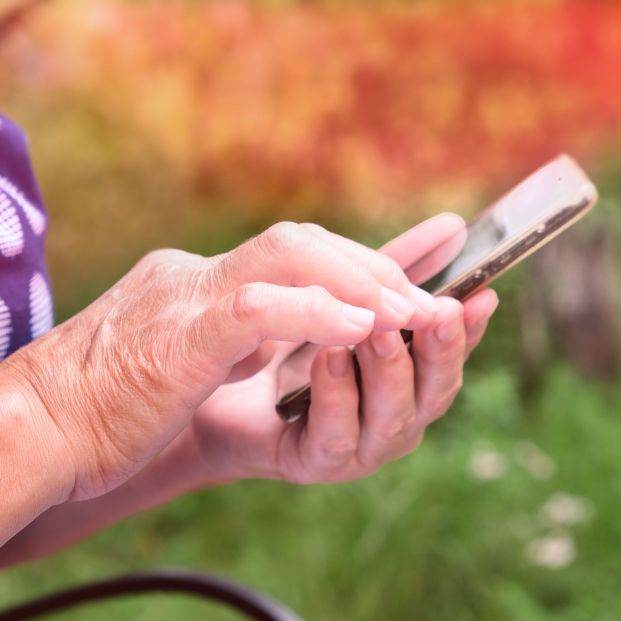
{"x":11,"y":234}
{"x":35,"y":218}
{"x":5,"y":328}
{"x":41,"y":317}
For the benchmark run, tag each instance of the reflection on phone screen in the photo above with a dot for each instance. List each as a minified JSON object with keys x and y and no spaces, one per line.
{"x":558,"y":185}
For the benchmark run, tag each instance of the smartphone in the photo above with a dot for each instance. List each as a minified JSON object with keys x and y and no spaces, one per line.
{"x":522,"y":221}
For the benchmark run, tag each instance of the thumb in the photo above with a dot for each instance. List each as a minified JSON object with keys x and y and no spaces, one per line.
{"x":251,"y":365}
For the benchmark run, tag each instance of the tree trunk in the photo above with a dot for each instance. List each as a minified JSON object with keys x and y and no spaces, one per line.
{"x":571,"y":304}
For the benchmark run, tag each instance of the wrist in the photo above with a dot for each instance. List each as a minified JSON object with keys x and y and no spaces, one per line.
{"x":37,"y":472}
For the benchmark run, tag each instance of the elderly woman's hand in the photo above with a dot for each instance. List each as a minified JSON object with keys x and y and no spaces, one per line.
{"x":121,"y":379}
{"x":130,"y":379}
{"x":236,"y":434}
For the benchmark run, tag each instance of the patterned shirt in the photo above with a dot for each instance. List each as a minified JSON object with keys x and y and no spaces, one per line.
{"x":25,"y":300}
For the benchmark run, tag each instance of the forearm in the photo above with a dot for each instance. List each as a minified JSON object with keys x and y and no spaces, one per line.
{"x":35,"y":473}
{"x":171,"y":474}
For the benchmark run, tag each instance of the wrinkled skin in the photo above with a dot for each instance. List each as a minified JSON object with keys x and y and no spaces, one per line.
{"x":123,"y":378}
{"x":126,"y":375}
{"x":167,"y":383}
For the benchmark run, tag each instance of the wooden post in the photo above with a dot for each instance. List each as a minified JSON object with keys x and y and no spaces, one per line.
{"x":571,"y":303}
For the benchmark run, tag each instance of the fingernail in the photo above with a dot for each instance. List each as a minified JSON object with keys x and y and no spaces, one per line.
{"x":338,"y":361}
{"x":397,"y":302}
{"x":385,"y":344}
{"x":360,"y":317}
{"x":425,"y":301}
{"x":448,"y":329}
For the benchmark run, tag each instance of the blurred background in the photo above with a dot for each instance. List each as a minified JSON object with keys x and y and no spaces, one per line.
{"x":196,"y":124}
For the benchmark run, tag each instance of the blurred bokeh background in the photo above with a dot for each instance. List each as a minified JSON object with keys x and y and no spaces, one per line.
{"x":196,"y":124}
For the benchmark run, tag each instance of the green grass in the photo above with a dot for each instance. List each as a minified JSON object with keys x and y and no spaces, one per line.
{"x":423,"y":539}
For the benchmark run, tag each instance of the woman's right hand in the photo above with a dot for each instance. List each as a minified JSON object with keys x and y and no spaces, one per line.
{"x":117,"y":382}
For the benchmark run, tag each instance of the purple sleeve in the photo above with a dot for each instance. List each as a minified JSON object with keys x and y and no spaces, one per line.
{"x":25,"y":300}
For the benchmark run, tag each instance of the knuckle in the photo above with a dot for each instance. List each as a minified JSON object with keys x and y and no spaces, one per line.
{"x":311,"y":227}
{"x":393,"y":430}
{"x":430,"y":408}
{"x":317,"y":291}
{"x":282,"y":238}
{"x":438,"y":406}
{"x":317,"y":301}
{"x":161,"y":256}
{"x":360,"y":285}
{"x":441,"y":407}
{"x":337,"y":450}
{"x":249,"y":300}
{"x":362,"y":277}
{"x":390,"y":270}
{"x":149,"y":264}
{"x":158,"y":263}
{"x":365,"y":286}
{"x":153,"y":257}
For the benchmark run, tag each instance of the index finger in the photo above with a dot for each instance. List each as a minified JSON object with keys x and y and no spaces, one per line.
{"x":289,"y":255}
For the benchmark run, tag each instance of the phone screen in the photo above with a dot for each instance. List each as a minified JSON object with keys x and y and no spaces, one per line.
{"x":529,"y":208}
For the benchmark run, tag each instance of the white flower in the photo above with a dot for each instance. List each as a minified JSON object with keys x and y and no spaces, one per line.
{"x":539,"y":465}
{"x":553,"y":552}
{"x":564,"y":508}
{"x":487,"y":465}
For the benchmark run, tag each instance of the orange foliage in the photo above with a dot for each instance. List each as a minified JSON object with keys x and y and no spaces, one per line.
{"x":367,"y":107}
